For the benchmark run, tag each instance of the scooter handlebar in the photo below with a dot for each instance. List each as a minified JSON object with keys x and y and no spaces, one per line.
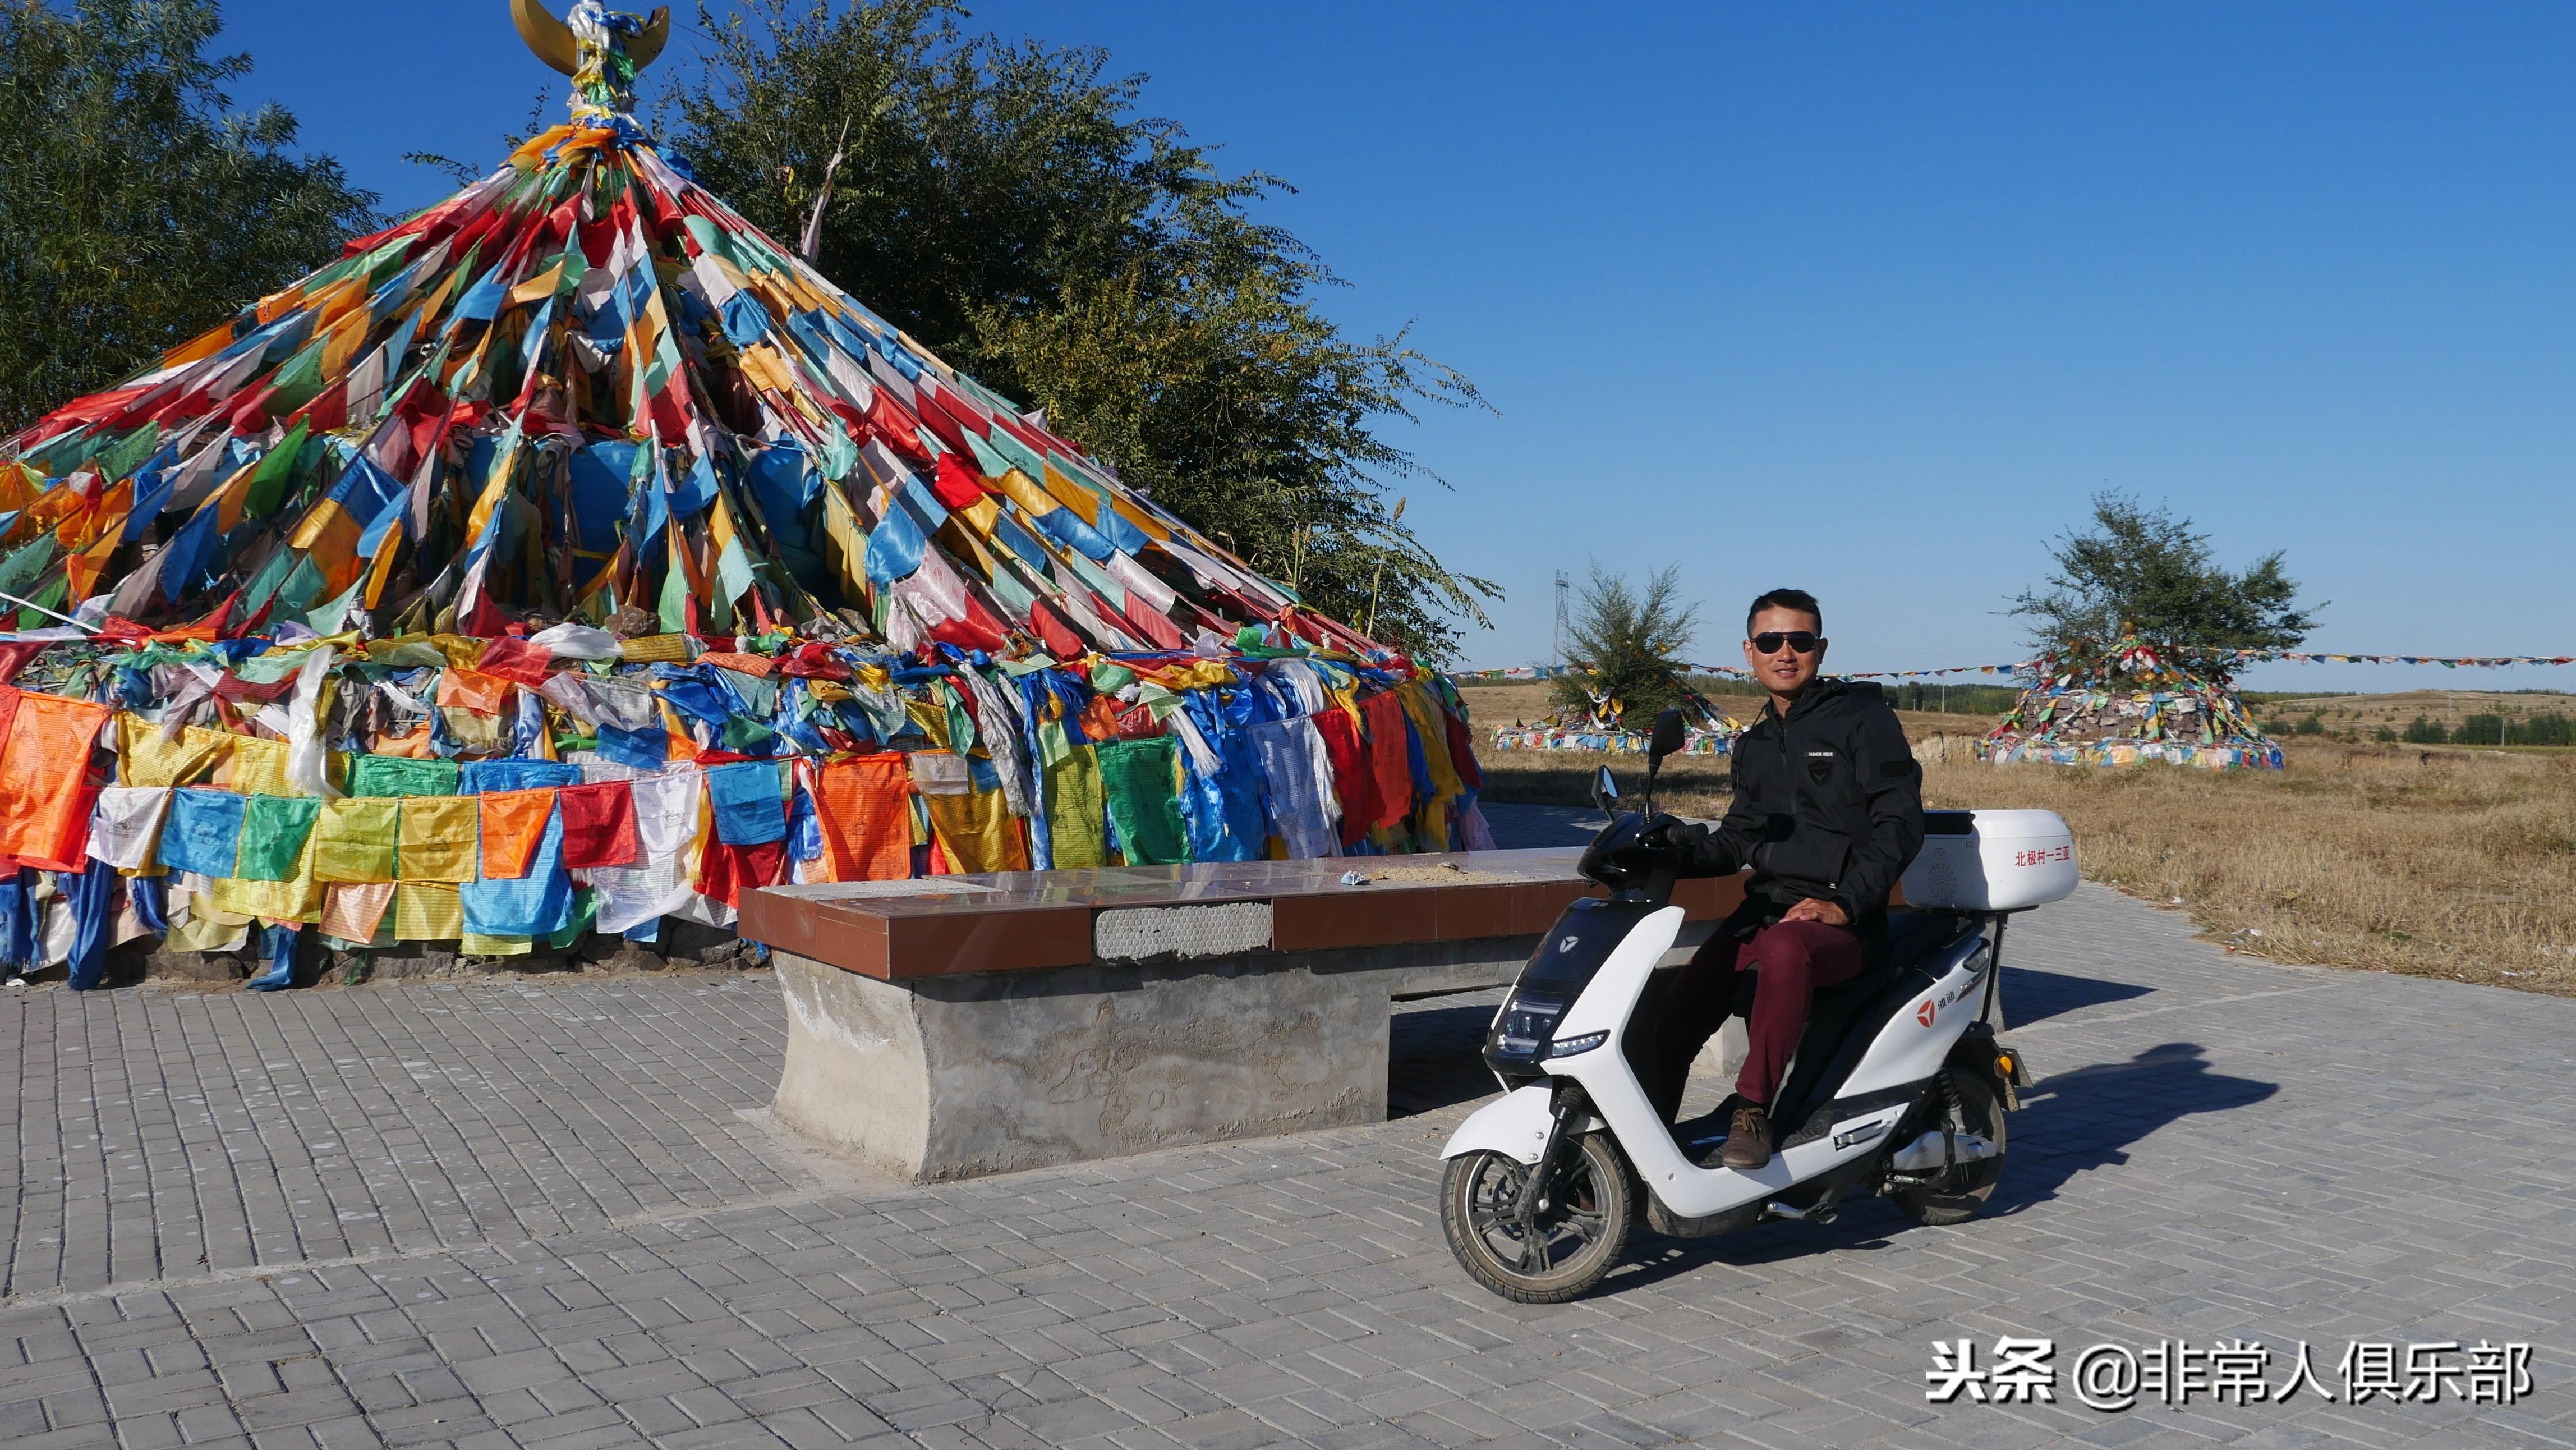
{"x":1632,"y":851}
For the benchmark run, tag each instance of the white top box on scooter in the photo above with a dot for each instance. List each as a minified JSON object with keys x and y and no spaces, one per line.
{"x":1992,"y":861}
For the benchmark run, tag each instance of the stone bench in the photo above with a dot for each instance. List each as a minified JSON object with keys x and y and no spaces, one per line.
{"x":968,"y":1025}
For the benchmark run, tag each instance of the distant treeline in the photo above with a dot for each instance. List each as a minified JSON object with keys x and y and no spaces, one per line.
{"x":1908,"y":695}
{"x":2276,"y":697}
{"x":2550,"y":728}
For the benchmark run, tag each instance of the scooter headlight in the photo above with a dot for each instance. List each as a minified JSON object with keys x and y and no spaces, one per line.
{"x":1527,"y":1027}
{"x":1569,"y":1046}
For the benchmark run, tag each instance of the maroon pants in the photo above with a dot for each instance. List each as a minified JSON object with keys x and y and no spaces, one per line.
{"x":1789,"y":960}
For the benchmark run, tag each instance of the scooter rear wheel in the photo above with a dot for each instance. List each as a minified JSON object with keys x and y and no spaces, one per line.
{"x":1579,"y":1237}
{"x":1960,"y":1193}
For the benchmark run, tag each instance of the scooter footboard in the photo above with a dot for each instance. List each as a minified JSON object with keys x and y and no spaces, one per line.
{"x":1514,"y":1125}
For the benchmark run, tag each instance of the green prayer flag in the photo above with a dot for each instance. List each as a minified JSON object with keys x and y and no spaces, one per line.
{"x":270,"y":666}
{"x":275,"y":471}
{"x":300,"y":381}
{"x":840,"y":455}
{"x":302,"y":584}
{"x":23,"y":566}
{"x":271,"y":577}
{"x":733,"y":571}
{"x":52,"y":597}
{"x":274,"y":828}
{"x":993,"y":464}
{"x":961,"y":723}
{"x":1054,"y":745}
{"x":675,"y":601}
{"x":327,"y":617}
{"x":401,"y":775}
{"x":57,"y":459}
{"x":129,"y":455}
{"x":1140,"y":778}
{"x":1019,"y":454}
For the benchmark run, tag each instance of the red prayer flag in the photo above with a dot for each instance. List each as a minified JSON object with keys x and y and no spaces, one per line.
{"x":516,"y":660}
{"x":599,"y":825}
{"x":955,"y":486}
{"x":726,"y":872}
{"x":1353,"y":779}
{"x":1389,"y":757}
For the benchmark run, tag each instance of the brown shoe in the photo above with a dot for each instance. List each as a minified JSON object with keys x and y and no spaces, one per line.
{"x":1748,"y":1139}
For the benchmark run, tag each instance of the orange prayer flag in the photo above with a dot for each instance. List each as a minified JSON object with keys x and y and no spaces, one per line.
{"x":514,"y":825}
{"x":864,"y":808}
{"x":464,"y":689}
{"x":81,"y":570}
{"x":45,"y":784}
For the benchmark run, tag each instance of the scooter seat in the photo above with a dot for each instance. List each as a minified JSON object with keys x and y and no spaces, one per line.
{"x":1846,"y":1016}
{"x":1914,"y":935}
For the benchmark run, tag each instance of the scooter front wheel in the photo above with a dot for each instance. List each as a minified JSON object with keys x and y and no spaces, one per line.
{"x":1575,"y":1239}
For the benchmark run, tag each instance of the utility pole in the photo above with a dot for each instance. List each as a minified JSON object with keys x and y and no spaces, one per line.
{"x":1564,"y":607}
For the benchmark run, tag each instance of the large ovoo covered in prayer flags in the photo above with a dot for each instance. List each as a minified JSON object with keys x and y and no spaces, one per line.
{"x":572,"y":555}
{"x":2125,"y":704}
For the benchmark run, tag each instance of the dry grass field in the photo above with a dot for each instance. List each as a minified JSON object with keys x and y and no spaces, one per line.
{"x":2446,"y":863}
{"x":2441,"y":861}
{"x":2365,"y":715}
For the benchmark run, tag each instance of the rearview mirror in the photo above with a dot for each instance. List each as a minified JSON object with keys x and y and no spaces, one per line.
{"x":1604,"y":789}
{"x":1667,"y":739}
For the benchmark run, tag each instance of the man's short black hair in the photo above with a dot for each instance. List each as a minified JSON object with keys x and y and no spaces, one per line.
{"x":1797,"y":599}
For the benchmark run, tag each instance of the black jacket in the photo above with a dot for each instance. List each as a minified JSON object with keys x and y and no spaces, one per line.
{"x":1828,"y":803}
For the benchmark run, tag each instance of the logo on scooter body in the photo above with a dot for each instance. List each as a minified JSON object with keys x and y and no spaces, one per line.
{"x":1923,"y":1014}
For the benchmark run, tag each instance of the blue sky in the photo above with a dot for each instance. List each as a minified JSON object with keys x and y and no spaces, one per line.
{"x":1864,"y":298}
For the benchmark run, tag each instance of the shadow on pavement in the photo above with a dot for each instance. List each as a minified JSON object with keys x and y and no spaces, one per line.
{"x":1436,"y":1054}
{"x":2070,"y":1122}
{"x":2086,"y":1117}
{"x":2031,"y":996}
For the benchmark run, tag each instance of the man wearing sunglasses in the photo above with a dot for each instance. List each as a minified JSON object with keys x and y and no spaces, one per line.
{"x":1828,"y":811}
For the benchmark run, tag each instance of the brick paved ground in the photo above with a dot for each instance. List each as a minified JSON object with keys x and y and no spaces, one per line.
{"x":535,"y":1214}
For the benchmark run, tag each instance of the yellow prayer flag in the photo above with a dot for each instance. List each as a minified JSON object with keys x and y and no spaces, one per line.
{"x":1084,"y":503}
{"x":428,"y":911}
{"x":259,"y":768}
{"x":144,"y":758}
{"x":437,"y":840}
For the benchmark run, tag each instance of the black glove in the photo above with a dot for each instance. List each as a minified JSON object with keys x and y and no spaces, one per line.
{"x":1667,"y":832}
{"x":1698,"y":848}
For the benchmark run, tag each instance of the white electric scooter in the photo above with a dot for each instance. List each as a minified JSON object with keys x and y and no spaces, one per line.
{"x":1898,"y":1086}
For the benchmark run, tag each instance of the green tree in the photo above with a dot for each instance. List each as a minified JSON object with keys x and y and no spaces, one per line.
{"x":1006,"y":203}
{"x":2550,"y":728}
{"x":137,"y":208}
{"x":2421,"y":731}
{"x":2146,"y":571}
{"x":1627,"y":641}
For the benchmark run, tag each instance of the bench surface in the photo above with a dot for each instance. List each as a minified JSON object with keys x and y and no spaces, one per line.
{"x":1027,"y":920}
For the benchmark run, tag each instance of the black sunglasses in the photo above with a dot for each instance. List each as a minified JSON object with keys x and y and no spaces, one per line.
{"x":1797,"y":639}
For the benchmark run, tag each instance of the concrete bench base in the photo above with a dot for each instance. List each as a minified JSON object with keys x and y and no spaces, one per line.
{"x":992,"y":1072}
